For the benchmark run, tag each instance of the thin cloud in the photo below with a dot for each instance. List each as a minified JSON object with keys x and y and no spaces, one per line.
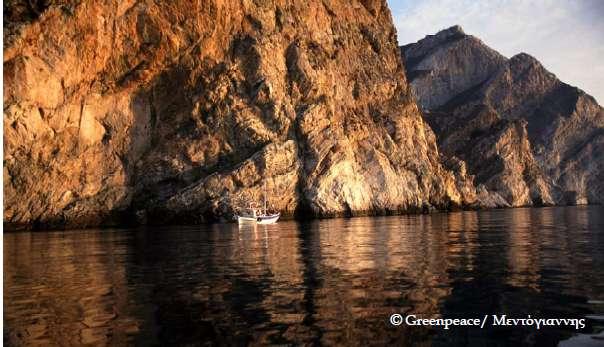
{"x":566,"y":36}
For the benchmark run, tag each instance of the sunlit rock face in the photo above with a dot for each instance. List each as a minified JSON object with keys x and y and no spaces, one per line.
{"x":146,"y":111}
{"x":523,"y":133}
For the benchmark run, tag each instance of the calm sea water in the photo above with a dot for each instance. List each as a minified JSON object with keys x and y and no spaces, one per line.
{"x":331,"y":282}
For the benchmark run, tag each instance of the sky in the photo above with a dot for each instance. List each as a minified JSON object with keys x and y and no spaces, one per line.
{"x":566,"y":36}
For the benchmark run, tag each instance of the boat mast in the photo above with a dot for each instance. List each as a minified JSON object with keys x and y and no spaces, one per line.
{"x":265,"y":197}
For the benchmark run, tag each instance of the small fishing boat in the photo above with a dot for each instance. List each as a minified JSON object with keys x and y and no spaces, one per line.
{"x":247,"y":215}
{"x":268,"y":218}
{"x":256,"y":215}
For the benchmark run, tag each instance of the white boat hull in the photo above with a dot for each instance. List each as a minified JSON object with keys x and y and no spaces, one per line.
{"x":242,"y":219}
{"x":269,"y":219}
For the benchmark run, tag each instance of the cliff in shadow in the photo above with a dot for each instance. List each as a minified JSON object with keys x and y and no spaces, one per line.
{"x":523,"y":133}
{"x":171,"y":112}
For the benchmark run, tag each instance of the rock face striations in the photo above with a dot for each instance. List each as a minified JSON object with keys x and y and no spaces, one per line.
{"x":146,"y":111}
{"x":524,"y":134}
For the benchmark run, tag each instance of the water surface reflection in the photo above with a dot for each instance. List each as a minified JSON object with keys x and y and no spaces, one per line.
{"x":326,"y":281}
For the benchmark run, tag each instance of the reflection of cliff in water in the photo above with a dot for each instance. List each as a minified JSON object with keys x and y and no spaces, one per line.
{"x":373,"y":267}
{"x":69,"y":288}
{"x":533,"y":262}
{"x":325,"y":281}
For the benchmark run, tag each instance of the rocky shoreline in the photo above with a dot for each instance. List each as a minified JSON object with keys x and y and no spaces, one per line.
{"x":138,"y":112}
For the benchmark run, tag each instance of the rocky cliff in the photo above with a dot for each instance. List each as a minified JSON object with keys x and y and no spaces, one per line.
{"x":146,"y":111}
{"x":524,"y":134}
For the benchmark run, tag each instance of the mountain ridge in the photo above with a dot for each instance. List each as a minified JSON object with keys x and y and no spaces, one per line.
{"x":562,"y":122}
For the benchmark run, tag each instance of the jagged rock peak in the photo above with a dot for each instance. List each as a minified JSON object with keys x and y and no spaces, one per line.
{"x":447,"y":63}
{"x":525,"y":67}
{"x":442,"y":37}
{"x":526,"y":59}
{"x":555,"y":154}
{"x":455,"y":30}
